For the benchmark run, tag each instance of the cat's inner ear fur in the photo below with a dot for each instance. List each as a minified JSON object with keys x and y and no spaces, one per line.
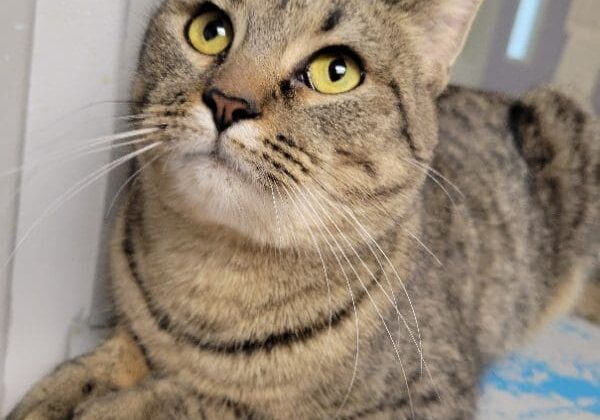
{"x":441,"y":29}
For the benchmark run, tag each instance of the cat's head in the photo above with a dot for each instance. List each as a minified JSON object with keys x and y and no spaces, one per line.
{"x":281,"y":119}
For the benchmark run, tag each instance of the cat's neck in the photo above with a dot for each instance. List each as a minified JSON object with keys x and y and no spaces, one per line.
{"x":233,"y":286}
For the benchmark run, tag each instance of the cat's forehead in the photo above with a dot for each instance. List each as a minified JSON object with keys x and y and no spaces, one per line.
{"x":282,"y":5}
{"x":324,"y":14}
{"x":274,"y":23}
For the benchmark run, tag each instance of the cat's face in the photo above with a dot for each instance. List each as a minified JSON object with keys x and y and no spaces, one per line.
{"x":280,"y":118}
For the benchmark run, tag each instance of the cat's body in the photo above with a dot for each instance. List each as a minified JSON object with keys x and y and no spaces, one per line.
{"x":226,"y":320}
{"x":495,"y":269}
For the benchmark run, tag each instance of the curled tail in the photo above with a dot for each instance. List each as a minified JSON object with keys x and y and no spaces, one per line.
{"x":561,"y":145}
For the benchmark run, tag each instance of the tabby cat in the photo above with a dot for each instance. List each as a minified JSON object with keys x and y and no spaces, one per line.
{"x":322,"y":229}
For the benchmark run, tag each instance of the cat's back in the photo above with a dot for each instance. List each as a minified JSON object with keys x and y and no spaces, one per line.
{"x":539,"y":154}
{"x":476,"y":130}
{"x":522,"y":209}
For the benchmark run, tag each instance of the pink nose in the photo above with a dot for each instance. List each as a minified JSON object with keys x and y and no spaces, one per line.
{"x":228,"y":110}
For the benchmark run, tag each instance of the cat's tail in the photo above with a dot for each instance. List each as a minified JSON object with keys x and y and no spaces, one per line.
{"x":561,"y":145}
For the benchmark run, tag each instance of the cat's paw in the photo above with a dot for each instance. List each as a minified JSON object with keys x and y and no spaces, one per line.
{"x":160,"y":399}
{"x":124,"y":405}
{"x":116,"y":365}
{"x":57,"y":396}
{"x":100,"y":409}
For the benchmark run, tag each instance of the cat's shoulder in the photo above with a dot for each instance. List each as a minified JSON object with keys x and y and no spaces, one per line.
{"x":545,"y":129}
{"x":462,"y":96}
{"x":544,"y":111}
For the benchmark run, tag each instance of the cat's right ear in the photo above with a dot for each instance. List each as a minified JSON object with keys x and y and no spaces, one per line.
{"x":441,"y":28}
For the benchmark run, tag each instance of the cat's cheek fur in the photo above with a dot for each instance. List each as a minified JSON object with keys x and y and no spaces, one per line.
{"x":202,"y":117}
{"x":244,"y":136}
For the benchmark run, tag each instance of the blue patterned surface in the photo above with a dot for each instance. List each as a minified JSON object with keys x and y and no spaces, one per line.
{"x":557,"y":377}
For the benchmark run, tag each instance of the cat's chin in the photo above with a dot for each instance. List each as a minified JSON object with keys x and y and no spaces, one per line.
{"x":208,"y":189}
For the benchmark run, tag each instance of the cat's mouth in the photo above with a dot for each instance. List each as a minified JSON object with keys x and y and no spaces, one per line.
{"x":213,"y":155}
{"x":218,"y":160}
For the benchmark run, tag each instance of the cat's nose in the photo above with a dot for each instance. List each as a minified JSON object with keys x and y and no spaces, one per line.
{"x":228,"y":110}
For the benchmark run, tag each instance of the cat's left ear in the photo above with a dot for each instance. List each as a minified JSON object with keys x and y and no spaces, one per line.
{"x":442,"y":28}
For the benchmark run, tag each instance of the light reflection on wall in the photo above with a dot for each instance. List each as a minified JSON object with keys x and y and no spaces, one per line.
{"x":523,"y":29}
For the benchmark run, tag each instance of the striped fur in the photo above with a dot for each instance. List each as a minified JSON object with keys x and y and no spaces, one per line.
{"x":278,"y":280}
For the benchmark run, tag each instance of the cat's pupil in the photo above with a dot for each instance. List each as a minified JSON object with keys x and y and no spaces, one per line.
{"x":337,"y":69}
{"x":215,"y":29}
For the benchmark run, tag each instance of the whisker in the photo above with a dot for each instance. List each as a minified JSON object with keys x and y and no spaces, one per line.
{"x":86,"y":148}
{"x":391,"y":337}
{"x":129,"y":181}
{"x":363,"y":263}
{"x":427,"y":173}
{"x":277,"y":217}
{"x":332,"y":205}
{"x":385,"y":211}
{"x":291,"y":232}
{"x":73,"y":191}
{"x":81,"y":109}
{"x":235,"y":201}
{"x":325,"y":272}
{"x":372,"y":300}
{"x":437,"y":174}
{"x":28,"y":178}
{"x":425,"y":247}
{"x":419,"y":346}
{"x":65,"y":140}
{"x":137,"y":132}
{"x":348,"y":284}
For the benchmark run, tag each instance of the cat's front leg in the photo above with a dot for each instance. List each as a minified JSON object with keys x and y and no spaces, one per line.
{"x":162,"y":399}
{"x":115,"y":365}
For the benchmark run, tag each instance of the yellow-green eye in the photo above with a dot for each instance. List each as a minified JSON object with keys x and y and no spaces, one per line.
{"x":211,"y":32}
{"x":332,"y":73}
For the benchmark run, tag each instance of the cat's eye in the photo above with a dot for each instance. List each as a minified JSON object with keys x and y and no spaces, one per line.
{"x":210,"y":32}
{"x":333,"y":73}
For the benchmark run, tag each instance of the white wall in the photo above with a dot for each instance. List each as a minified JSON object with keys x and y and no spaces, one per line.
{"x":15,"y":43}
{"x":583,"y":27}
{"x":77,"y":60}
{"x":470,"y":68}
